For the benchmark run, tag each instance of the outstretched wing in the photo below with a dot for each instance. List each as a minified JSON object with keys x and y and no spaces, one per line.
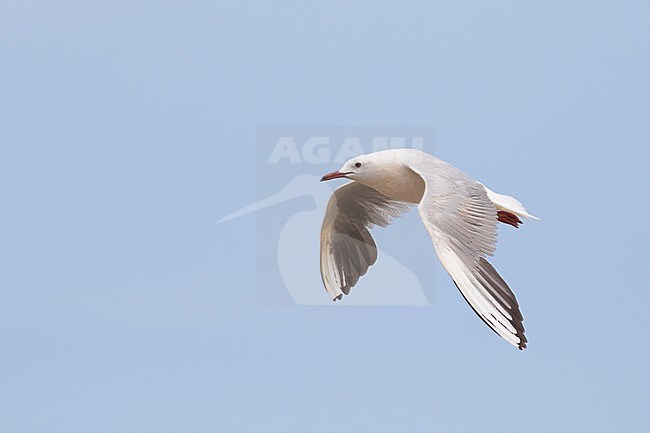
{"x":347,"y":248}
{"x":462,"y":222}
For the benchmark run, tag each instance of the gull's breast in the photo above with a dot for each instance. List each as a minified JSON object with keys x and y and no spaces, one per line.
{"x":405,"y":185}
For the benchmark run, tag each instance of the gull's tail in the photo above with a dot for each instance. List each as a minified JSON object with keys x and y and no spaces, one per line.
{"x":508,"y":204}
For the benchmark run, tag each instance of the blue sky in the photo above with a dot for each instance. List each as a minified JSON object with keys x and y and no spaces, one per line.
{"x":129,"y":128}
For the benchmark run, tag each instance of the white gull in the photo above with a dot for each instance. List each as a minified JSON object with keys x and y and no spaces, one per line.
{"x":460,"y":214}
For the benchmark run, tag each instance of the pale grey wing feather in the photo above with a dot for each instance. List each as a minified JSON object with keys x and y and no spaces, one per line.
{"x":347,"y":248}
{"x":462,"y":222}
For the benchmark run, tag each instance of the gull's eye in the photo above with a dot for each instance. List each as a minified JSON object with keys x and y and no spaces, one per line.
{"x":357,"y":165}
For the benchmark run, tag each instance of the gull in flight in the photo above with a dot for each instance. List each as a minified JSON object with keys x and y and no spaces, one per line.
{"x":460,"y":214}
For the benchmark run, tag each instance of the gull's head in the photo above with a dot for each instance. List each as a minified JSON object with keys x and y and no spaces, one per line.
{"x":361,"y":168}
{"x":387,"y":171}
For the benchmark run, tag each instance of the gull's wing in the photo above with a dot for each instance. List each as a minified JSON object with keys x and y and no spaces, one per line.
{"x":347,"y":249}
{"x":462,"y":222}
